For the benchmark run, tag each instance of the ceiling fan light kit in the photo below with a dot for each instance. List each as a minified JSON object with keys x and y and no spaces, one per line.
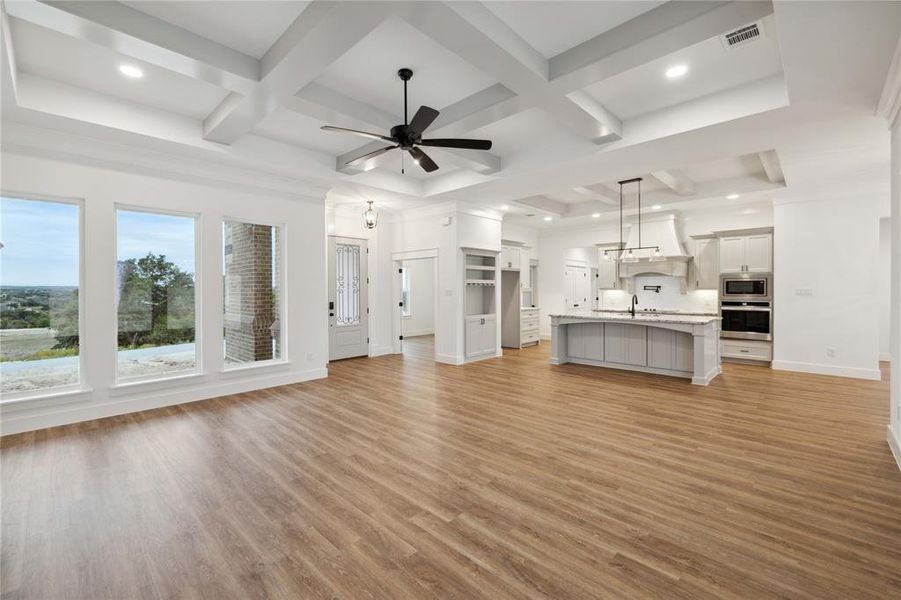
{"x":408,"y":136}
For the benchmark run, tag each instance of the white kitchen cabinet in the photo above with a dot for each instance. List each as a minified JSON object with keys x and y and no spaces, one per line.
{"x":746,"y":253}
{"x":671,"y":350}
{"x":706,"y":263}
{"x":481,"y":335}
{"x":759,"y":253}
{"x":528,"y":327}
{"x":608,"y":272}
{"x":626,"y":344}
{"x":510,"y":257}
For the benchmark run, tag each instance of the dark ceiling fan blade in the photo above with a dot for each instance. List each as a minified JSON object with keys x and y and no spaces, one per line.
{"x":423,"y":160}
{"x":373,"y":154}
{"x":458,"y":143}
{"x":421,"y":120}
{"x":366,"y":134}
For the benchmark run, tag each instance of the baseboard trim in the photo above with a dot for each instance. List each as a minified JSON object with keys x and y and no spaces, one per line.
{"x":418,"y":332}
{"x":894,"y":444}
{"x":448,"y":359}
{"x":819,"y":369}
{"x":88,"y":411}
{"x":381,"y":351}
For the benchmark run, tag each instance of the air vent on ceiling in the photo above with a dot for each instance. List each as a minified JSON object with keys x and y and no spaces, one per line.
{"x":741,"y":36}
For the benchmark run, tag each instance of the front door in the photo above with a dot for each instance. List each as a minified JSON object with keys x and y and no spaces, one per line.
{"x":348,"y":306}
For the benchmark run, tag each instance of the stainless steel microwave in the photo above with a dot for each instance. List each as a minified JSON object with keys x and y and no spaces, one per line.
{"x":746,"y":287}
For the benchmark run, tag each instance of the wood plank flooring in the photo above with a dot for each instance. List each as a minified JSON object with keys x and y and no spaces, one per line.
{"x":400,"y":478}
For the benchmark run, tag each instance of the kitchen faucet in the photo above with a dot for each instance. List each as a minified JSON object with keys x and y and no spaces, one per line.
{"x":634,"y":302}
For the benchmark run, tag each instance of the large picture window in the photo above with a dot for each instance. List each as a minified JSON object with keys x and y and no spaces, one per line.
{"x":252,"y":292}
{"x":39,"y":305}
{"x":155,"y":294}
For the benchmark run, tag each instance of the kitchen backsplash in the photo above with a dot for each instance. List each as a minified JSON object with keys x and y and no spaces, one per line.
{"x":669,"y":298}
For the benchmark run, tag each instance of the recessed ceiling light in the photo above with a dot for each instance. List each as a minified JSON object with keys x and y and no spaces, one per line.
{"x":595,"y":215}
{"x":131,"y":71}
{"x":505,"y":207}
{"x":676,"y":71}
{"x":548,"y":218}
{"x":656,"y":207}
{"x":732,"y":197}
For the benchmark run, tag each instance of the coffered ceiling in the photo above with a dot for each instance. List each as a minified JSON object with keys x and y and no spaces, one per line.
{"x":557,"y":86}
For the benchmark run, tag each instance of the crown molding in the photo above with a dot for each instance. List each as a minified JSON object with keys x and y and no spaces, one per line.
{"x":40,"y":142}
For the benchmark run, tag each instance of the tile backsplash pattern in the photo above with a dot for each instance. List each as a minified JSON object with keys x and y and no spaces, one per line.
{"x":669,"y":298}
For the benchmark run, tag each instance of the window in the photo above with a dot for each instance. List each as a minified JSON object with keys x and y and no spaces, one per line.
{"x":347,"y":284}
{"x":252,"y":293}
{"x":155,"y":294}
{"x":406,"y":293}
{"x":40,"y":266}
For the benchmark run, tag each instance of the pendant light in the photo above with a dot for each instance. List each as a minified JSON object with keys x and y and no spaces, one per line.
{"x":370,"y":217}
{"x":627,"y":255}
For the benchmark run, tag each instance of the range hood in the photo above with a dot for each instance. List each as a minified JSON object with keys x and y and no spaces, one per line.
{"x":658,"y":231}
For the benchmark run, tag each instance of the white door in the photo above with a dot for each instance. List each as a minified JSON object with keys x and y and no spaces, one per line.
{"x":758,"y":253}
{"x":348,"y":305}
{"x":732,"y":254}
{"x":576,"y":286}
{"x":707,"y":270}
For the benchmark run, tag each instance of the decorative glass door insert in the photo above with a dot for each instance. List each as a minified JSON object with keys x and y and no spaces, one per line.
{"x":347,"y":284}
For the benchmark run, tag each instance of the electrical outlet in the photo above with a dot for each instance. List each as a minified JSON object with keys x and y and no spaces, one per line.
{"x":830,"y":351}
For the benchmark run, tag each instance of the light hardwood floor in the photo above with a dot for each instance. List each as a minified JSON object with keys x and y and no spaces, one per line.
{"x":510,"y":478}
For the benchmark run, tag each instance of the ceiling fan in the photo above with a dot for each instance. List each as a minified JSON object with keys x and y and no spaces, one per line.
{"x":409,"y":135}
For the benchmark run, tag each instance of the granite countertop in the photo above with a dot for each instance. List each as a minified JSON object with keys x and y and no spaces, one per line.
{"x":658,"y":317}
{"x":662,"y":311}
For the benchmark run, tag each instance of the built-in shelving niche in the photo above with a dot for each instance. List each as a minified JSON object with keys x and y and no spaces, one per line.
{"x":481,"y":282}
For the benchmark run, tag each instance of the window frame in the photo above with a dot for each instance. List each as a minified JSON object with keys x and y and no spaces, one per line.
{"x":82,"y":385}
{"x":283,"y":289}
{"x":120,"y":382}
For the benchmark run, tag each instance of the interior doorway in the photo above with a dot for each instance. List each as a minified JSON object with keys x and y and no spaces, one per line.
{"x":417,"y":321}
{"x":348,"y":298}
{"x":417,"y":304}
{"x":576,"y":287}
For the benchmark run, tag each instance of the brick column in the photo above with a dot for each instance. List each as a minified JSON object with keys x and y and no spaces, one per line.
{"x":249,"y":302}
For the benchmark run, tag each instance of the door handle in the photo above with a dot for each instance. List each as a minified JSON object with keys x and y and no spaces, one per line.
{"x":331,"y":305}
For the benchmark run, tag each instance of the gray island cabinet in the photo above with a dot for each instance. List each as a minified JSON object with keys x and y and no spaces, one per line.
{"x":665,"y":344}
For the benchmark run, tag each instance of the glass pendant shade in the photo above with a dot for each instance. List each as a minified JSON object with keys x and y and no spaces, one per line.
{"x":630,"y":257}
{"x":657,"y":255}
{"x":370,"y":217}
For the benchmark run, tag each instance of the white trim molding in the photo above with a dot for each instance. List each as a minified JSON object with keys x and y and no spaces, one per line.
{"x":16,"y":422}
{"x":820,"y":369}
{"x":894,"y":444}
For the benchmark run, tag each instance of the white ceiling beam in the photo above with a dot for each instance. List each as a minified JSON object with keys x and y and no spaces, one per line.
{"x":479,"y":161}
{"x":473,"y":112}
{"x":475,"y":34}
{"x":544,"y":204}
{"x":320,"y":35}
{"x":8,"y":69}
{"x":600,"y":193}
{"x":649,"y":36}
{"x":675,"y":180}
{"x":769,"y":160}
{"x":132,"y":33}
{"x":336,"y":103}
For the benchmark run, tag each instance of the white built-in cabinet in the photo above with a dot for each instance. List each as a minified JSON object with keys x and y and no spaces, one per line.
{"x":706,"y":264}
{"x":510,"y":257}
{"x":746,"y":253}
{"x":525,"y":280}
{"x":608,"y":272}
{"x":480,"y":303}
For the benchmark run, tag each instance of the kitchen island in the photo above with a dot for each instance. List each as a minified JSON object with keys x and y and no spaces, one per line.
{"x":666,"y":344}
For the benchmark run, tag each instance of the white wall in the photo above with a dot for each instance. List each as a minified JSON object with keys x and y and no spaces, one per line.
{"x":421,"y":321}
{"x":884,"y":277}
{"x":306,"y":340}
{"x":827,"y":244}
{"x":527,"y":236}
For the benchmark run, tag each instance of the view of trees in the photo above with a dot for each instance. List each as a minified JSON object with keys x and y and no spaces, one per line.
{"x":156,"y":303}
{"x":156,"y":306}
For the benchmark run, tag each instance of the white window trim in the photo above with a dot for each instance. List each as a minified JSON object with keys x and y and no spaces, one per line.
{"x":81,"y":386}
{"x":198,"y":299}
